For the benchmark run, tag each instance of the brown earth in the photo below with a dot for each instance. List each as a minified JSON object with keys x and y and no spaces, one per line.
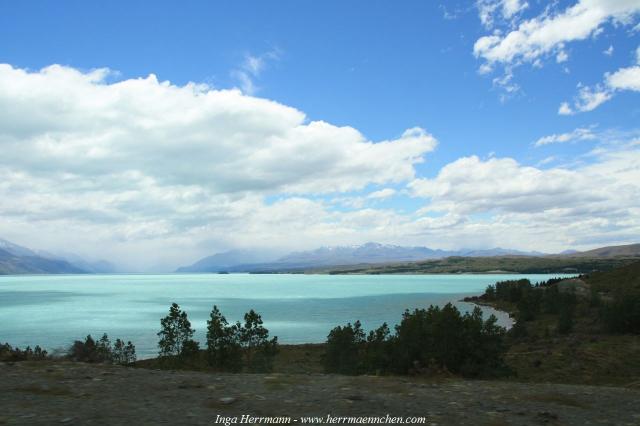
{"x":58,"y":392}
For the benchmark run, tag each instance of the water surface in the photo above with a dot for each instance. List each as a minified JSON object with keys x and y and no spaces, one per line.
{"x":53,"y":310}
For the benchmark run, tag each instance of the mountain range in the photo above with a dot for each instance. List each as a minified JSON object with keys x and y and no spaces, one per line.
{"x":369,"y":253}
{"x":15,"y":259}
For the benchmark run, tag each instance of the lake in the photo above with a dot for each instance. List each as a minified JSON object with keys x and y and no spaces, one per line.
{"x":53,"y":310}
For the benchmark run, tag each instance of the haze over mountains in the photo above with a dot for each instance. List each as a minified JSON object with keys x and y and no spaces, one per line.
{"x":369,"y":253}
{"x":16,"y":259}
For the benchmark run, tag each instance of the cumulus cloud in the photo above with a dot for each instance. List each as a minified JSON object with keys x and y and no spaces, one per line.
{"x":589,"y":98}
{"x":145,"y":172}
{"x":625,"y":79}
{"x":574,"y":206}
{"x":579,"y":134}
{"x":550,"y":30}
{"x":140,"y":159}
{"x":62,"y":121}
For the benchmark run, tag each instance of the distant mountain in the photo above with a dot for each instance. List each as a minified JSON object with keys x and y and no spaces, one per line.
{"x":228,"y":260}
{"x":629,"y":250}
{"x":570,"y":251}
{"x":15,"y":259}
{"x":366,"y":253}
{"x":91,"y":266}
{"x":369,"y":253}
{"x":495,"y":252}
{"x":15,"y":249}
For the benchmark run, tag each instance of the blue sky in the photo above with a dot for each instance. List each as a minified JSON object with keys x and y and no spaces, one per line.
{"x":378,"y":67}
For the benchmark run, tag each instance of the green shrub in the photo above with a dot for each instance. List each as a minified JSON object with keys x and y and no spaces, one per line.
{"x":434,"y":338}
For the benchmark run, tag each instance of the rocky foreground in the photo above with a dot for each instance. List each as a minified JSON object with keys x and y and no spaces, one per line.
{"x":72,"y":393}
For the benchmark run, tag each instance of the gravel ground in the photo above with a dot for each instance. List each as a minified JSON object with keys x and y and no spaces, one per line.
{"x":49,"y":393}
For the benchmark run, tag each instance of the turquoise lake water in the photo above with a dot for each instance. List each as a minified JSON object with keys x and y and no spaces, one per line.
{"x":53,"y":310}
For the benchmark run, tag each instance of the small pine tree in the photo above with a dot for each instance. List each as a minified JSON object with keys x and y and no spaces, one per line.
{"x":103,"y":349}
{"x":176,"y":330}
{"x":259,"y":350}
{"x":223,"y":343}
{"x":119,"y":356}
{"x":130,"y":353}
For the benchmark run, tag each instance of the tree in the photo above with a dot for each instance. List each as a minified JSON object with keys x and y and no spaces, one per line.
{"x":433,"y":338}
{"x":119,"y":356}
{"x":103,"y":348}
{"x":130,"y":353}
{"x":378,"y":350}
{"x":223,"y":343}
{"x":175,"y":332}
{"x":259,"y":350}
{"x":84,"y":351}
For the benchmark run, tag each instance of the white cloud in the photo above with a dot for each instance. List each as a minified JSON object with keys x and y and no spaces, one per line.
{"x":608,"y":51}
{"x":625,"y":79}
{"x":140,"y":163}
{"x":565,"y":109}
{"x":251,"y":68}
{"x":562,"y":56}
{"x":491,"y":10}
{"x":383,"y":193}
{"x":549,"y":31}
{"x":60,"y":120}
{"x":547,"y":160}
{"x":590,"y":98}
{"x":149,"y":173}
{"x":579,"y":134}
{"x":588,"y":205}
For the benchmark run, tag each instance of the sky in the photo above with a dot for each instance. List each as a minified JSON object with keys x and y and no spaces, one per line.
{"x":153,"y":134}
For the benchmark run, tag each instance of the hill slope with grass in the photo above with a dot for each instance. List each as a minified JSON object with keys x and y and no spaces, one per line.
{"x":505,"y":264}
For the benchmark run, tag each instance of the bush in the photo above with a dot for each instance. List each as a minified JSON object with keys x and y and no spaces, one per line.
{"x":622,"y":314}
{"x":344,"y":349}
{"x":102,"y":351}
{"x":435,"y":338}
{"x":11,"y":354}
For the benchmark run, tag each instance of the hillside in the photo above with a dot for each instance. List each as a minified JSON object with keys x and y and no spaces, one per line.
{"x":629,"y":250}
{"x":626,"y":278}
{"x":514,"y":264}
{"x":13,"y":264}
{"x":15,"y":259}
{"x":226,"y":261}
